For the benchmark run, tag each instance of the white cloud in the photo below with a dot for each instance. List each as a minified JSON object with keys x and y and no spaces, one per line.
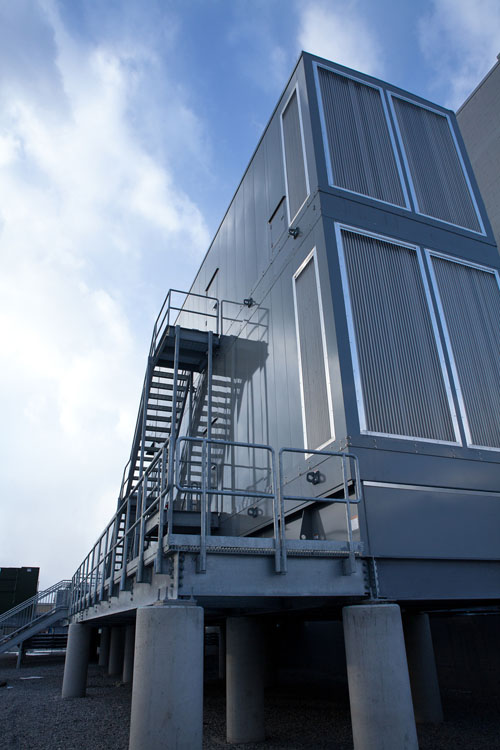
{"x":339,"y":32}
{"x":460,"y":40}
{"x":93,"y":231}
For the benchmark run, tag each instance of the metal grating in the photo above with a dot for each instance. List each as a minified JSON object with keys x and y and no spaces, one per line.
{"x":470,"y":301}
{"x":440,"y":186}
{"x":296,"y":180}
{"x":400,"y":376}
{"x":358,"y":143}
{"x":315,"y":398}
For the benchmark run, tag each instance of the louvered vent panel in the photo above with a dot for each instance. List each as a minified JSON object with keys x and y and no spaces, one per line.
{"x":359,"y":146}
{"x":312,"y":355}
{"x":471,"y":302}
{"x":294,"y":157}
{"x":438,"y":178}
{"x":400,"y":371}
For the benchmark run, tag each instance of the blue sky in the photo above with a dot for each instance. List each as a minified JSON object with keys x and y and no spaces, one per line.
{"x":125,"y":128}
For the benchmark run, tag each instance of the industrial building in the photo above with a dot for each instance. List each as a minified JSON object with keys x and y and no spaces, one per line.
{"x":318,"y":434}
{"x":480,"y":127}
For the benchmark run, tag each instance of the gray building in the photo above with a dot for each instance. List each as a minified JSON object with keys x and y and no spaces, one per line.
{"x":319,"y":429}
{"x":479,"y":121}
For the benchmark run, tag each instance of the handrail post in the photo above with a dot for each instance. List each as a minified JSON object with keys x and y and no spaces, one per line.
{"x":283,"y":567}
{"x":276,"y":520}
{"x":166,"y":448}
{"x":352,"y":563}
{"x":123,"y":578}
{"x":173,"y":435}
{"x":202,"y":560}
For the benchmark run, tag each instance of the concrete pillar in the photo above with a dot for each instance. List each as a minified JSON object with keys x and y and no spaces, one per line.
{"x":379,"y":685}
{"x":128,"y":654}
{"x":245,"y":668}
{"x":104,"y":646}
{"x":222,"y":652}
{"x":167,"y":692}
{"x":116,"y":644}
{"x":422,"y":667}
{"x":77,"y":661}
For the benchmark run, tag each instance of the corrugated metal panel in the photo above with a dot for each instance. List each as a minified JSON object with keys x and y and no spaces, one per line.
{"x":315,"y":398}
{"x":439,"y":184}
{"x":400,"y":373}
{"x":358,"y":141}
{"x":470,"y":300}
{"x":294,"y":156}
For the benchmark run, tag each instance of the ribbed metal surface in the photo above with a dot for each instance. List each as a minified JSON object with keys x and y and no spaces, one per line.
{"x":471,"y":303}
{"x":438,"y":178}
{"x":312,"y":357}
{"x":361,"y":154}
{"x":294,"y":157}
{"x":400,"y":372}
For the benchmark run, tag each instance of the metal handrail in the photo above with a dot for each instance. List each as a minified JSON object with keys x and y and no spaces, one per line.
{"x":308,"y":498}
{"x":208,"y":491}
{"x":162,"y":322}
{"x":61,"y":585}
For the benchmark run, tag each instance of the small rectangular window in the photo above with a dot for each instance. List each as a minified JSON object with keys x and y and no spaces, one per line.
{"x":439,"y":182}
{"x":297,"y":182}
{"x":317,"y":413}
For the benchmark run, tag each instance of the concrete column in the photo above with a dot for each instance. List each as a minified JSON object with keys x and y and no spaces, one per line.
{"x":77,"y":661}
{"x":379,"y":685}
{"x":104,"y":647}
{"x":167,"y":692}
{"x":422,"y":667}
{"x":245,"y":668}
{"x":222,"y":652}
{"x":116,"y":643}
{"x":128,"y":655}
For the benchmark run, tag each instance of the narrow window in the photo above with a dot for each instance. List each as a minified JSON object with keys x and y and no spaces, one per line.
{"x":297,"y":183}
{"x":317,"y":413}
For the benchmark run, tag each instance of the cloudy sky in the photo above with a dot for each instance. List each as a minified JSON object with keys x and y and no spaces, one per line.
{"x":125,"y":126}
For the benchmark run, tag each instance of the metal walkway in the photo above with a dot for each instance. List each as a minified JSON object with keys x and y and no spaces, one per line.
{"x":34,"y":615}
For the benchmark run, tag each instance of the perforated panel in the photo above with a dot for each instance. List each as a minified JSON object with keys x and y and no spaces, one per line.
{"x":470,"y":300}
{"x":294,"y":156}
{"x":358,"y":147}
{"x":400,"y":372}
{"x":439,"y":183}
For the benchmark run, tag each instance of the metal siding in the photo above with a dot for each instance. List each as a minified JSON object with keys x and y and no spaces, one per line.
{"x":312,"y":358}
{"x":401,"y":378}
{"x":294,"y":157}
{"x":439,"y":183}
{"x":359,"y":144}
{"x":470,"y":300}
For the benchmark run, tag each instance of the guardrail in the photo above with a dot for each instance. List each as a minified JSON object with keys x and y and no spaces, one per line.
{"x":26,"y":613}
{"x":188,"y":301}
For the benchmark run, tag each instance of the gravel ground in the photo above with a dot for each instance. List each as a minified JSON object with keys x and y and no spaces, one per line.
{"x":33,"y":716}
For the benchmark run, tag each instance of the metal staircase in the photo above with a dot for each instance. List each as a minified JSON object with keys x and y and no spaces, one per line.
{"x":34,"y":615}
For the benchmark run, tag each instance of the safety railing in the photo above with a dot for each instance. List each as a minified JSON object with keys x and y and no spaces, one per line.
{"x":178,"y":303}
{"x":44,"y":603}
{"x":206,"y":491}
{"x":348,"y":460}
{"x":124,"y":538}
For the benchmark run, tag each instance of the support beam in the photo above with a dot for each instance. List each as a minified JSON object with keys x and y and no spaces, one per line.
{"x":245,"y":666}
{"x":167,"y":693}
{"x":379,"y":685}
{"x":116,"y":643}
{"x":128,"y":656}
{"x":77,"y":661}
{"x":104,"y":646}
{"x":422,"y":667}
